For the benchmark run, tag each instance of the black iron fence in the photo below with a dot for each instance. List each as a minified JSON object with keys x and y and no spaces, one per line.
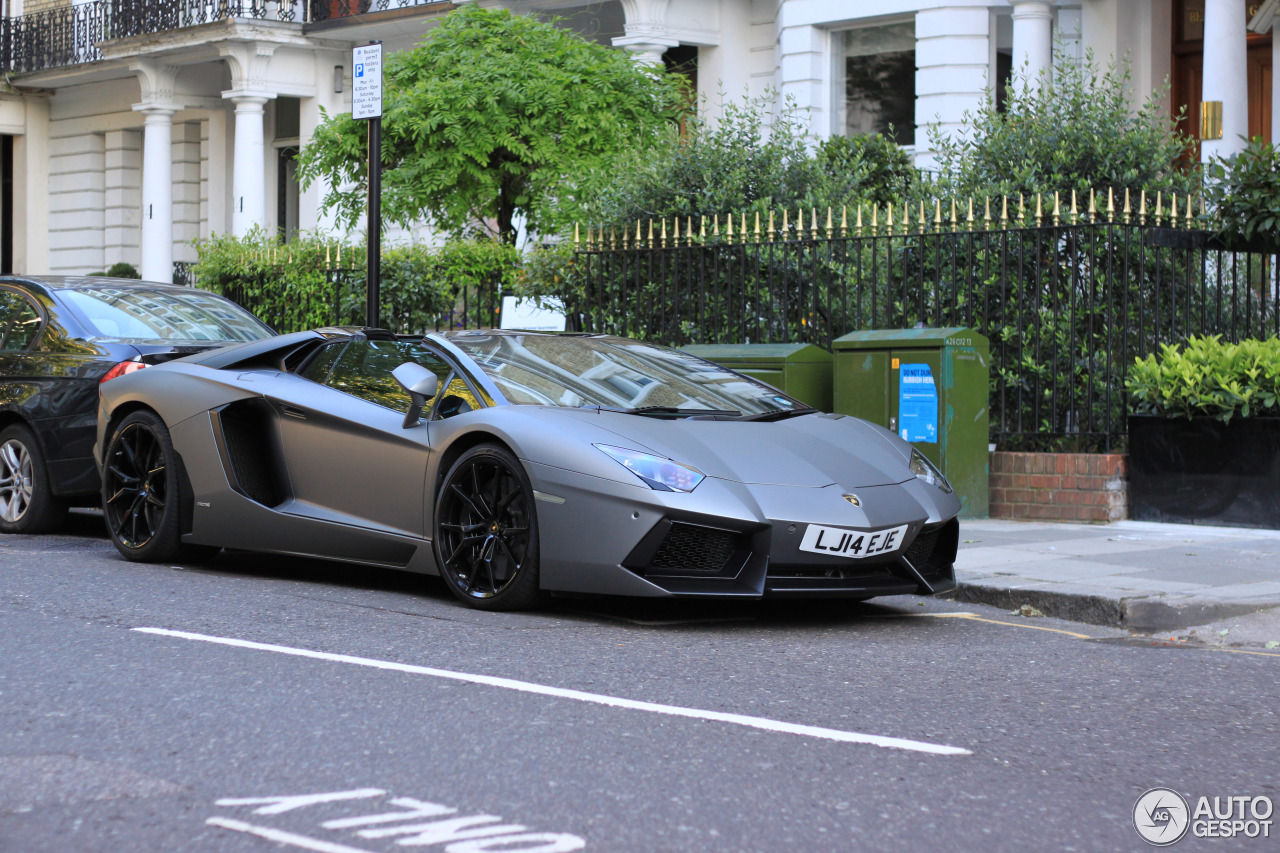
{"x":1066,"y":307}
{"x":73,"y":34}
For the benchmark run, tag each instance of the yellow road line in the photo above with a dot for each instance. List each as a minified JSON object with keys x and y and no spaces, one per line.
{"x":973,"y":618}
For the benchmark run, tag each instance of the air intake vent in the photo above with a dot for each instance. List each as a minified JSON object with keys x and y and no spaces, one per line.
{"x":695,"y":549}
{"x":935,"y":550}
{"x":247,"y":430}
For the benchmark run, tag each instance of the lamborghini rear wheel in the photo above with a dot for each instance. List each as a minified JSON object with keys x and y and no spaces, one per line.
{"x":141,"y":497}
{"x":486,"y":531}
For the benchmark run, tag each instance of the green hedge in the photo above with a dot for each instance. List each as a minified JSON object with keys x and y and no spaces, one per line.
{"x":1208,"y":377}
{"x":312,"y":282}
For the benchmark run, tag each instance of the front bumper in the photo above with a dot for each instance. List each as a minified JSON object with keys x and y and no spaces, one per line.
{"x":736,"y":540}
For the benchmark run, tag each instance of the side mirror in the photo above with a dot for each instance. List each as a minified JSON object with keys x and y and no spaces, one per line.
{"x":421,"y":384}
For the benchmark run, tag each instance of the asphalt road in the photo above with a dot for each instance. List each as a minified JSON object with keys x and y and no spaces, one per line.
{"x":432,"y":727}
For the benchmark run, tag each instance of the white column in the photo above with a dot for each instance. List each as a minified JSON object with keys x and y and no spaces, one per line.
{"x":953,"y":61}
{"x":1275,"y":90}
{"x":1032,"y":41}
{"x":1226,"y":75}
{"x":645,"y":30}
{"x":157,"y":193}
{"x":248,"y":178}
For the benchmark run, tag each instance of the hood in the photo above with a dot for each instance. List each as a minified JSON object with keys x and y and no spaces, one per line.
{"x":811,"y":450}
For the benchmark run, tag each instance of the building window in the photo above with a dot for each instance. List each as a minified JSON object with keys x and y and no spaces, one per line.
{"x":878,"y":66}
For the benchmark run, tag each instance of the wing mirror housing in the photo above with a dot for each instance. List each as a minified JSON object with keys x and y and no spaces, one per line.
{"x":421,"y":384}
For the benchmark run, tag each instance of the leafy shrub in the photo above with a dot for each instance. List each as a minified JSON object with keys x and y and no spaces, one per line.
{"x":121,"y":269}
{"x":752,"y":162}
{"x":1208,"y":377}
{"x":1073,"y":130}
{"x":312,"y":282}
{"x":871,"y":167}
{"x":287,"y":287}
{"x":1244,"y":190}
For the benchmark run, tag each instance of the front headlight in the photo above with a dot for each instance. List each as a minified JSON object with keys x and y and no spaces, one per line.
{"x":927,"y":471}
{"x":657,"y":472}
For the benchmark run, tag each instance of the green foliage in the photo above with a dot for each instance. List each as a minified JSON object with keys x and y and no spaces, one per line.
{"x":1244,"y":190}
{"x":1208,"y":377}
{"x":750,"y":162}
{"x":121,"y":269}
{"x":1074,"y":130}
{"x":287,"y":287}
{"x":871,"y":167}
{"x":303,"y":284}
{"x":492,"y":116}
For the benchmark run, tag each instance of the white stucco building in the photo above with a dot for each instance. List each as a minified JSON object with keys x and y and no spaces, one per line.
{"x":129,"y":128}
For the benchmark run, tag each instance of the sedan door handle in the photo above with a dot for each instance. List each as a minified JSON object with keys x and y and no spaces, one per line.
{"x":293,"y":412}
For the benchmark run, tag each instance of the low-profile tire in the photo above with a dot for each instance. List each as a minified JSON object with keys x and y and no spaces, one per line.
{"x":27,"y":501}
{"x":142,"y":497}
{"x":486,"y":531}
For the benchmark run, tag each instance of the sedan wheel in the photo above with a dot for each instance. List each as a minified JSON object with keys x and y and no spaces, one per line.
{"x":486,"y":534}
{"x":27,"y":503}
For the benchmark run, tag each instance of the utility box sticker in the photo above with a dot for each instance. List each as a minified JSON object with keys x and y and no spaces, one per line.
{"x":917,"y":403}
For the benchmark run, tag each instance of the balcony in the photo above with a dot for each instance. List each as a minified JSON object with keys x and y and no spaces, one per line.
{"x":73,"y":34}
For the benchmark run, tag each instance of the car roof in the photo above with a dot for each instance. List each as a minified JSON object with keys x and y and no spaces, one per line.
{"x":88,"y":282}
{"x":465,"y":333}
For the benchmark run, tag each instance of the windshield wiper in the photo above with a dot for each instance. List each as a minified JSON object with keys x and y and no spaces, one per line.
{"x":672,"y":410}
{"x":779,"y":414}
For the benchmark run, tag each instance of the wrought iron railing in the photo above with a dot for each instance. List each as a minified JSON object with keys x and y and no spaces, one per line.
{"x":73,"y":34}
{"x":1066,"y":306}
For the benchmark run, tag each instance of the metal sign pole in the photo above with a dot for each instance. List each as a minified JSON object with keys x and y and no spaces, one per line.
{"x":366,"y":103}
{"x":374,"y":225}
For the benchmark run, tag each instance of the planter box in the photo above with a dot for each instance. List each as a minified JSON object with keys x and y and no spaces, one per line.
{"x":1202,"y":471}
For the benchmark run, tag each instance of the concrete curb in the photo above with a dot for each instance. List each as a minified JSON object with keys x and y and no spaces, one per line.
{"x":1143,"y":614}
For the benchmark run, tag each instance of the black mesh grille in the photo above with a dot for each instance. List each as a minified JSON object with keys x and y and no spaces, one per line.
{"x":921,"y":550}
{"x":694,"y":548}
{"x":934,"y":550}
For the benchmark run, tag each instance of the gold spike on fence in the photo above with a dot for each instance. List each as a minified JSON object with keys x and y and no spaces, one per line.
{"x":870,"y":219}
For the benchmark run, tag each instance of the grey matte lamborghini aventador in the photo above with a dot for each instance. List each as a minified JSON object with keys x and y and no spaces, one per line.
{"x":516,"y":464}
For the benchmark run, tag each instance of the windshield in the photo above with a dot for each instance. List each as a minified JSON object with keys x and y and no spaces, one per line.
{"x":166,"y":315}
{"x":615,"y":373}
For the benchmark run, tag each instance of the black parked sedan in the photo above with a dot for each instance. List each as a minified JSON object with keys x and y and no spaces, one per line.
{"x":59,"y":339}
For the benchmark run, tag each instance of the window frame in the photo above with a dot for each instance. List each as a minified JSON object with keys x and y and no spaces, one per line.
{"x":455,"y":371}
{"x":838,"y":82}
{"x":35,"y":306}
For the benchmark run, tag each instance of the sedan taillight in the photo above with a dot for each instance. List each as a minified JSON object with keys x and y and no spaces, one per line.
{"x":121,"y":369}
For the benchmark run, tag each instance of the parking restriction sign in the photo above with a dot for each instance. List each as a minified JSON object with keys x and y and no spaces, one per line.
{"x":366,"y":72}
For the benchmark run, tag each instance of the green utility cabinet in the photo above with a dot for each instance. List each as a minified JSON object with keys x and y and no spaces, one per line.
{"x":802,"y":371}
{"x":930,"y":386}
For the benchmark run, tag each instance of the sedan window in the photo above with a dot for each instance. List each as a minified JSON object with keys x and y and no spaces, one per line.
{"x":364,"y":370}
{"x":168,"y":315}
{"x":19,"y":322}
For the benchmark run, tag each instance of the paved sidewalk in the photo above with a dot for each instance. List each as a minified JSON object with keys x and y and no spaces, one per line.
{"x":1136,"y":575}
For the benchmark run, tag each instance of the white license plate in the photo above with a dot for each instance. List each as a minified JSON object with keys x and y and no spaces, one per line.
{"x":854,"y":544}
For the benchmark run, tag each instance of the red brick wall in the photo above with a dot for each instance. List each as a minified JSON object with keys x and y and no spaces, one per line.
{"x":1060,"y":486}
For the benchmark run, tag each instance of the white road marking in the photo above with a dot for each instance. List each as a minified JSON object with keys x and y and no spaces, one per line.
{"x":580,"y":696}
{"x":417,"y":808}
{"x":280,"y":805}
{"x":283,"y":837}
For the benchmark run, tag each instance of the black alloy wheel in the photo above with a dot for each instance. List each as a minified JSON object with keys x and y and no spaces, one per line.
{"x":486,"y":532}
{"x":141,"y":498}
{"x":27,"y":502}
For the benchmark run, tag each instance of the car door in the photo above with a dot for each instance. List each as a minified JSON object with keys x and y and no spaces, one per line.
{"x":347,"y":455}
